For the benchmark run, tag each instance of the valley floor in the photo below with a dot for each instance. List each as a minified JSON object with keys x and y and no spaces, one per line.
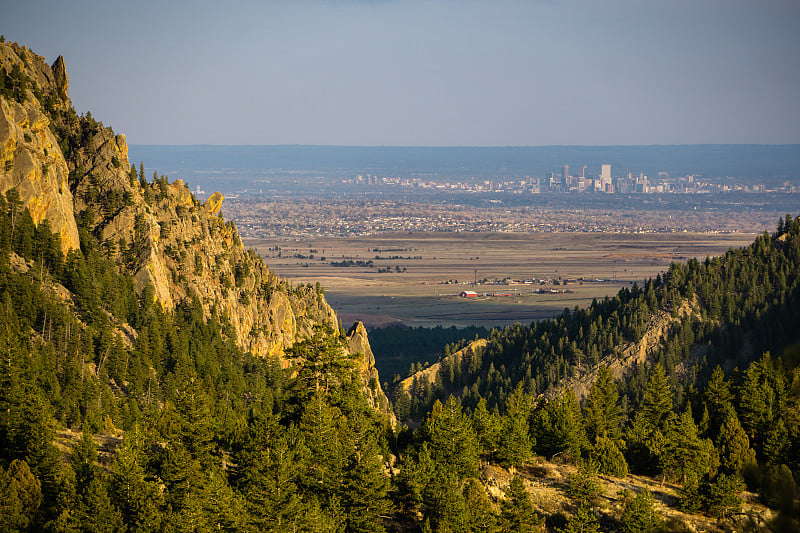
{"x":436,"y":267}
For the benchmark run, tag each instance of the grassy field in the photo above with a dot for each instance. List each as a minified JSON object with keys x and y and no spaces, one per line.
{"x":434,"y":268}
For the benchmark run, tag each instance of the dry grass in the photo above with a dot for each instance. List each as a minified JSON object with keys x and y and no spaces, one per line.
{"x":419,"y":296}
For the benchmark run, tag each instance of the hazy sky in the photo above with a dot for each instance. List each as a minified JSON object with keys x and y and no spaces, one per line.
{"x":407,"y":72}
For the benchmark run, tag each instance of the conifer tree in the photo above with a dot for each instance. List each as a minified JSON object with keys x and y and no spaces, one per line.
{"x":271,"y":470}
{"x":558,"y":427}
{"x":515,"y":443}
{"x":138,"y":498}
{"x":656,"y":404}
{"x":94,"y":511}
{"x":453,"y":443}
{"x":609,"y":458}
{"x":365,"y":491}
{"x":733,"y":443}
{"x":684,"y":454}
{"x":639,"y":514}
{"x":487,"y":426}
{"x":517,"y":512}
{"x":20,"y":496}
{"x":602,"y":411}
{"x":482,"y":517}
{"x":581,"y":521}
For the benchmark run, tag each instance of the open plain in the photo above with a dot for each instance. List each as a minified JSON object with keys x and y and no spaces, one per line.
{"x":415,"y":278}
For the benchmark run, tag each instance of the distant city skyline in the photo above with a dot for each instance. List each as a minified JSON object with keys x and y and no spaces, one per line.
{"x":427,"y":73}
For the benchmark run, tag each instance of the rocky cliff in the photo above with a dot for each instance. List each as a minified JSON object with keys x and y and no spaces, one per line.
{"x":30,"y":158}
{"x":68,"y":168}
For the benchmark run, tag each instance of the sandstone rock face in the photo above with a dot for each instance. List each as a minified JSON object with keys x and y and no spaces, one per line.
{"x":61,"y":78}
{"x":30,"y":158}
{"x":358,"y":344}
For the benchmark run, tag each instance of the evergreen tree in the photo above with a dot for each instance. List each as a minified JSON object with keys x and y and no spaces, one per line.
{"x":453,"y":442}
{"x":733,"y":444}
{"x":84,"y":458}
{"x":481,"y":515}
{"x":656,"y":404}
{"x":487,"y":426}
{"x":639,"y":514}
{"x":95,"y":512}
{"x":365,"y":491}
{"x":517,"y":512}
{"x":139,"y":499}
{"x":558,"y":427}
{"x":601,"y":410}
{"x":581,"y":521}
{"x":684,"y":454}
{"x":583,"y":487}
{"x":271,"y":469}
{"x":515,"y":446}
{"x":609,"y":458}
{"x":20,"y":497}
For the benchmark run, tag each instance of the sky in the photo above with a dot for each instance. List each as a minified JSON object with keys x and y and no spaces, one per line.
{"x":426,"y":73}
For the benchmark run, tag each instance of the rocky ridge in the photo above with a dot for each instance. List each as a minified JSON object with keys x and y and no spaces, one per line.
{"x":69,"y":168}
{"x":623,"y":360}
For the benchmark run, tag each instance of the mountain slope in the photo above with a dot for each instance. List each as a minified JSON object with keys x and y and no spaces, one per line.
{"x":725,"y":310}
{"x":67,"y":168}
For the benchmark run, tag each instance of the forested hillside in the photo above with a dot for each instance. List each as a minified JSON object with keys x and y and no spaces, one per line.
{"x":724,"y":310}
{"x":222,"y":396}
{"x":706,"y":406}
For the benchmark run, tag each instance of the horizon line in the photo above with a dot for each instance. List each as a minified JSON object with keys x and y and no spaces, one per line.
{"x":290,"y":145}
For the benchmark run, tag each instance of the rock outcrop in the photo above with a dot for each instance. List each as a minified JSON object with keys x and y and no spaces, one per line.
{"x":358,"y":343}
{"x":30,"y":157}
{"x":428,"y":375}
{"x":628,"y":355}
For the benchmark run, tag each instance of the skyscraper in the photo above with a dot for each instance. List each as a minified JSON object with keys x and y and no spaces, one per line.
{"x":605,"y":173}
{"x":565,"y":172}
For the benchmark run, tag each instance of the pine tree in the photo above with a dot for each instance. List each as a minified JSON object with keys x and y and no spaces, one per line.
{"x":558,"y":427}
{"x":320,"y":425}
{"x":95,"y":512}
{"x":84,"y":458}
{"x":733,"y":444}
{"x":581,"y":521}
{"x":482,"y":517}
{"x":583,"y":487}
{"x":777,"y":443}
{"x":684,"y":454}
{"x":453,"y":443}
{"x":20,"y":496}
{"x":365,"y":491}
{"x":517,"y":512}
{"x":138,"y":499}
{"x":601,"y":410}
{"x":271,"y":469}
{"x":639,"y":514}
{"x":656,"y":404}
{"x":487,"y":427}
{"x":718,"y":398}
{"x":609,"y":458}
{"x":516,"y":445}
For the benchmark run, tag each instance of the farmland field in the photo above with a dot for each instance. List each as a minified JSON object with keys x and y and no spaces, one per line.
{"x":416,"y":278}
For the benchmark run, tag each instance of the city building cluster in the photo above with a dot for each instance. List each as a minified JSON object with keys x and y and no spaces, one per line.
{"x":566,"y":182}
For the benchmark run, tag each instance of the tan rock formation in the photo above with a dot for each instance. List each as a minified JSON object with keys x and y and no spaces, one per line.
{"x":31,"y":162}
{"x":358,"y":344}
{"x":214,"y":203}
{"x":61,"y":78}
